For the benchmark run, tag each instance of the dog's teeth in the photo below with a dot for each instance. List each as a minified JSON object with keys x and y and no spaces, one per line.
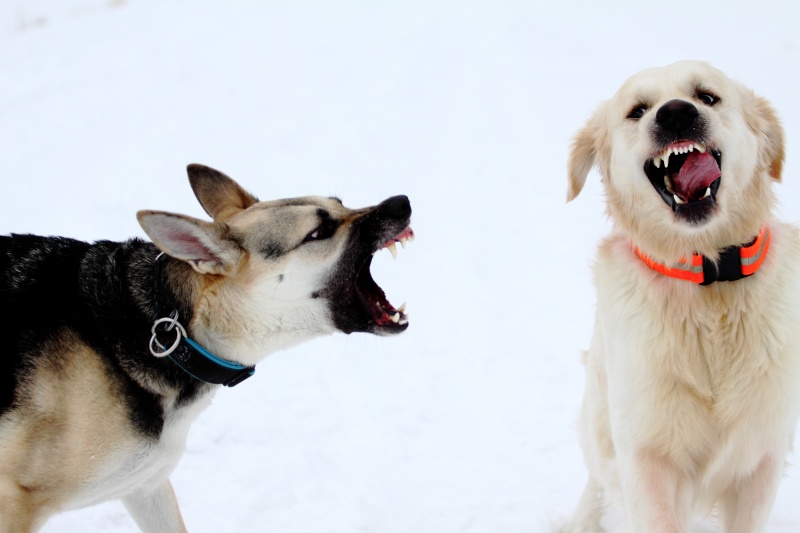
{"x":402,"y":308}
{"x":403,"y":242}
{"x":657,"y":161}
{"x":707,"y":194}
{"x":396,"y":318}
{"x":665,"y":157}
{"x":700,"y":148}
{"x":668,"y":184}
{"x":392,"y":249}
{"x":678,"y":199}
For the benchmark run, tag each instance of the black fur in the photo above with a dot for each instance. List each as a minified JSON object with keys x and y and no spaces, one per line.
{"x":107,"y":294}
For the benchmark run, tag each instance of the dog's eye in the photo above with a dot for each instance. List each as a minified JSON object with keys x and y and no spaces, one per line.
{"x":324,"y":231}
{"x":637,"y":112}
{"x":709,"y":99}
{"x":319,"y":234}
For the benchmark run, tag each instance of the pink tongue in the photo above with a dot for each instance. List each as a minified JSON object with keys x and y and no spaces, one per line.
{"x":696,"y":174}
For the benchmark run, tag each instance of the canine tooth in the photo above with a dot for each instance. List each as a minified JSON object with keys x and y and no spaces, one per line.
{"x":403,"y":322}
{"x":665,"y":157}
{"x":392,"y":249}
{"x":678,"y":199}
{"x":707,"y":194}
{"x":657,"y":161}
{"x":402,"y":308}
{"x":700,"y":148}
{"x":403,"y":242}
{"x":396,"y":318}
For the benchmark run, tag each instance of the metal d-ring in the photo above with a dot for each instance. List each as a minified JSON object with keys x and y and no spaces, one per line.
{"x":179,"y":333}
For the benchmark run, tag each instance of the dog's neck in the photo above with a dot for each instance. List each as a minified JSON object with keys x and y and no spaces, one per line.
{"x":735,"y":263}
{"x":183,"y":351}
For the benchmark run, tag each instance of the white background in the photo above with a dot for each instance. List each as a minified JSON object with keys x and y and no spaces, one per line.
{"x":466,"y":422}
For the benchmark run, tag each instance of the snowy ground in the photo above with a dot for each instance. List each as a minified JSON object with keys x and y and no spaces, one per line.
{"x":465,"y":423}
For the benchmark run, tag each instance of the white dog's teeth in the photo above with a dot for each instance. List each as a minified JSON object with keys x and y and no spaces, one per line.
{"x":392,"y":249}
{"x":678,"y":199}
{"x":657,"y":161}
{"x":402,"y":308}
{"x":396,"y":318}
{"x":665,"y":157}
{"x":668,"y":184}
{"x":403,"y":321}
{"x":403,"y":242}
{"x":707,"y":194}
{"x":700,"y":148}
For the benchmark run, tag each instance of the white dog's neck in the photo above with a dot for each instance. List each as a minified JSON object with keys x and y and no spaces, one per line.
{"x":734,"y":263}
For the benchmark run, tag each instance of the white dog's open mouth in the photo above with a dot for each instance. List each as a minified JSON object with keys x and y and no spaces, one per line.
{"x":687,"y":176}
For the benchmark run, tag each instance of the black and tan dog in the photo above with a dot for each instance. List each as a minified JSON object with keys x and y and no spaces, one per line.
{"x":110,"y":350}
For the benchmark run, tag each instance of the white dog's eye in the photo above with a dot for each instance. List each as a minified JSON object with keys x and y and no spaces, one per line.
{"x":708,"y":98}
{"x":638,"y":111}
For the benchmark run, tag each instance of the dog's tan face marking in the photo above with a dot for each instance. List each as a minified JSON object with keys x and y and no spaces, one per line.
{"x":686,"y":155}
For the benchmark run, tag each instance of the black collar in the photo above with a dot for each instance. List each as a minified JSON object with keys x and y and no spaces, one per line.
{"x":185,"y":352}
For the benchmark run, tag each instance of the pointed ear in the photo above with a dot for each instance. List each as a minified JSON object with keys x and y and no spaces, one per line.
{"x":582,"y":156}
{"x":763,"y":120}
{"x":201,"y":244}
{"x":220,"y":196}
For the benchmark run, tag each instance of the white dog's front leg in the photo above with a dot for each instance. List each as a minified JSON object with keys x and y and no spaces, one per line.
{"x":745,"y":506}
{"x":650,"y":490}
{"x":155,"y":510}
{"x":590,"y":510}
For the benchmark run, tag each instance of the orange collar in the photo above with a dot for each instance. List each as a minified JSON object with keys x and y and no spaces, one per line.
{"x":735,"y":263}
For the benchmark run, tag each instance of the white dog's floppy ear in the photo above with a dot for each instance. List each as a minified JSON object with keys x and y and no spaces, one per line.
{"x":220,"y":196}
{"x":764,"y":121}
{"x":582,"y":156}
{"x":201,"y":244}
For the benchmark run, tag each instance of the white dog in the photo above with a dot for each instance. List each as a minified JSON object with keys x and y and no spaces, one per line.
{"x":693,"y":374}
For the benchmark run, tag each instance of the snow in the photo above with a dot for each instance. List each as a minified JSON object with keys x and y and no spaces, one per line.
{"x":466,"y":422}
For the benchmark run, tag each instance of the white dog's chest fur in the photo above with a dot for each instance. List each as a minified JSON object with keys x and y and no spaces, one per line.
{"x":705,"y":376}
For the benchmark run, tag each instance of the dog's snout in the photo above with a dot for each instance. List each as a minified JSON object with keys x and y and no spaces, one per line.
{"x":396,"y":207}
{"x":678,"y":116}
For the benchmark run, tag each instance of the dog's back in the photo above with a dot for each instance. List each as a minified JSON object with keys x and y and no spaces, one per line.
{"x":38,"y":281}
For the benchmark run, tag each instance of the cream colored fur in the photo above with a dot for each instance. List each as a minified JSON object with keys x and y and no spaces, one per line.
{"x":692,"y":392}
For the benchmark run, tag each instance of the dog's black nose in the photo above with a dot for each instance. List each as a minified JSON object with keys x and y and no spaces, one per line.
{"x":396,"y":207}
{"x":679,"y":117}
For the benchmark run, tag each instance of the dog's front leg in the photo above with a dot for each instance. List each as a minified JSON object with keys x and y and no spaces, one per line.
{"x":650,"y":490}
{"x":745,"y":506}
{"x":155,"y":510}
{"x":590,"y":510}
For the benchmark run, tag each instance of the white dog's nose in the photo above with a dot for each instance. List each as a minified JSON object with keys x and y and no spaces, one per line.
{"x":680,"y":118}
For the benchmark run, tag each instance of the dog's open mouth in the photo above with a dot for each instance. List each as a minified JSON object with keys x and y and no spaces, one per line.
{"x":383,"y":313}
{"x":687,"y":176}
